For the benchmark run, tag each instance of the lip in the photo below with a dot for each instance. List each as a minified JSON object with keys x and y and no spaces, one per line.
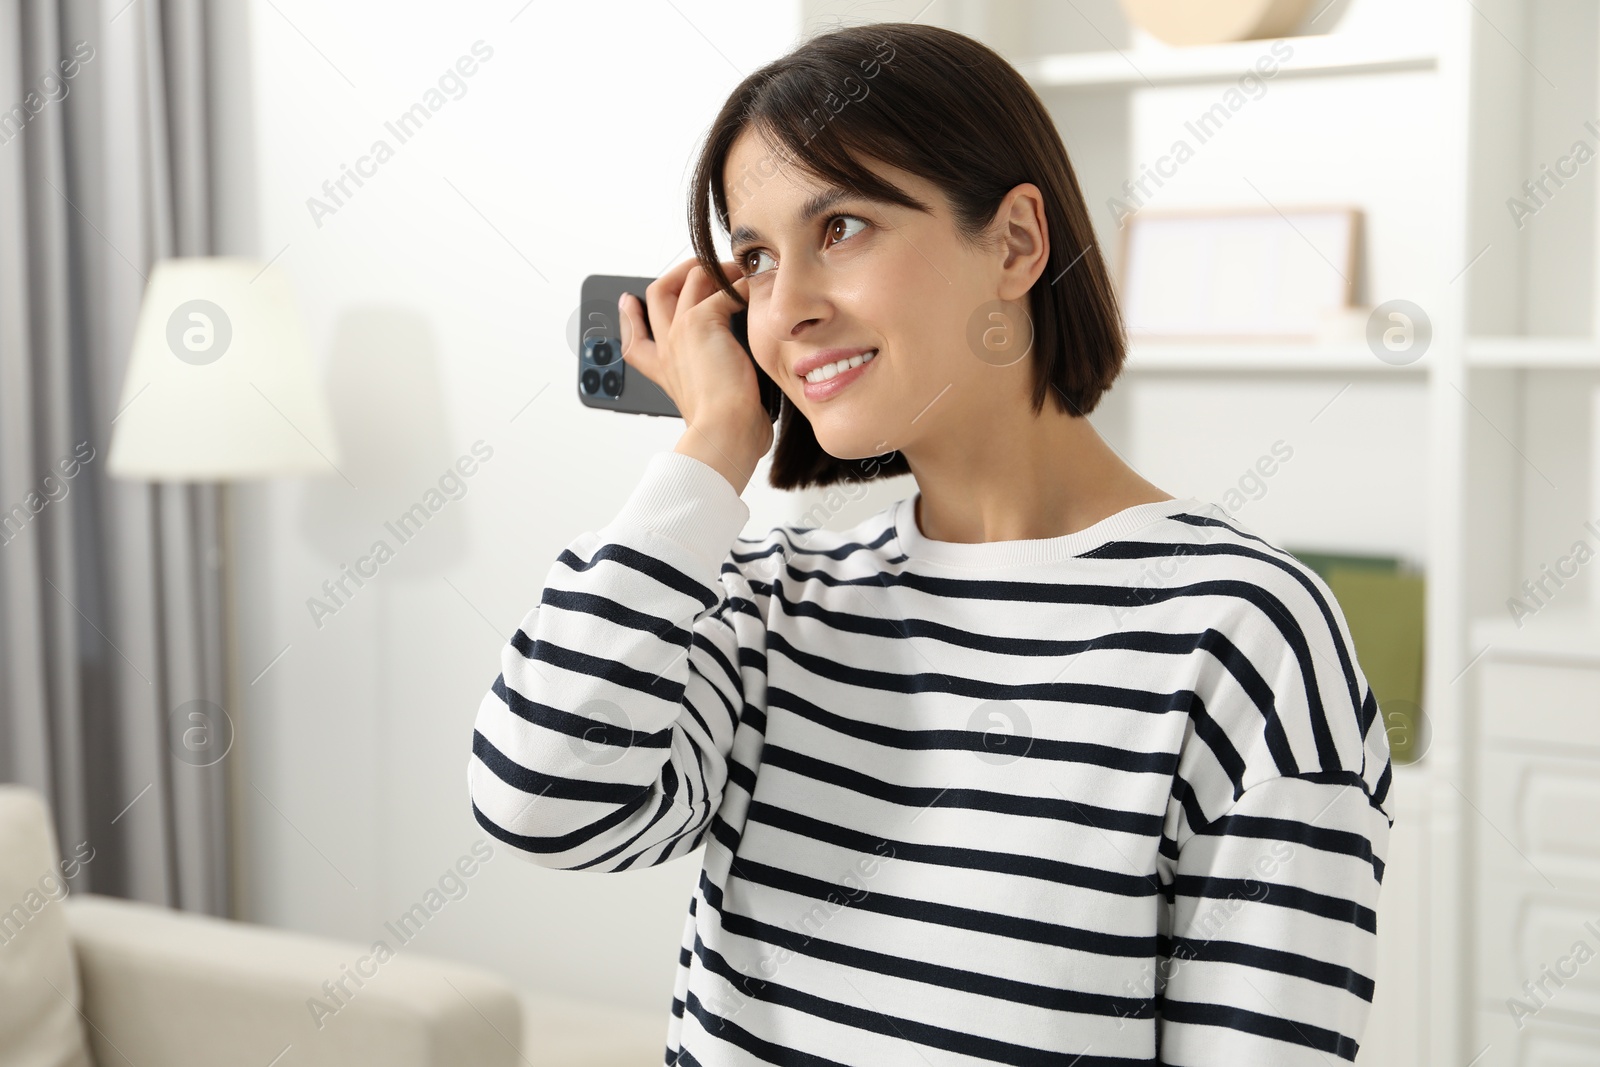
{"x":830,"y":355}
{"x":829,"y":387}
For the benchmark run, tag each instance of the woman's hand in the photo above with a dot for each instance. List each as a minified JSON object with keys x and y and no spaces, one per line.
{"x":697,"y":361}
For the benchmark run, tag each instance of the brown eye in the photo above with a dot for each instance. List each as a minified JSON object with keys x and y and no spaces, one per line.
{"x":833,"y":222}
{"x":744,"y":262}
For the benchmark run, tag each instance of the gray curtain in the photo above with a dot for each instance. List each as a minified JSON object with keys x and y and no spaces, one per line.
{"x":110,"y":591}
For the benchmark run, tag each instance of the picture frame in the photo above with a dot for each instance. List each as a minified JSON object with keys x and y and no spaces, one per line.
{"x":1237,"y":273}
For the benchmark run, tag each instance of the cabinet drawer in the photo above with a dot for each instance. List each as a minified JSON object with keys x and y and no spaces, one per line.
{"x":1543,"y":818}
{"x":1551,"y":703}
{"x":1537,"y":1044}
{"x":1545,"y":938}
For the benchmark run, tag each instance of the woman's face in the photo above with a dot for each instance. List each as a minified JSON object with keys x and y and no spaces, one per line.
{"x":860,"y":274}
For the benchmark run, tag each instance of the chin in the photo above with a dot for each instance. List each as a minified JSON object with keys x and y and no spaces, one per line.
{"x":851,"y":445}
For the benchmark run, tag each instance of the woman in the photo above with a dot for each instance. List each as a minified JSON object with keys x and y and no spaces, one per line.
{"x":1038,"y":765}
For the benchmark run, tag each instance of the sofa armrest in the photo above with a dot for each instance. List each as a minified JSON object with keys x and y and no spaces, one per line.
{"x":186,"y":990}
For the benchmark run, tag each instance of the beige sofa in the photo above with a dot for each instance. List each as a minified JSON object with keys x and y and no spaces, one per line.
{"x":89,"y":980}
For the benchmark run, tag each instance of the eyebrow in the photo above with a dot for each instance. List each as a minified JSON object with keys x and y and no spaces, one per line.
{"x":823,"y":201}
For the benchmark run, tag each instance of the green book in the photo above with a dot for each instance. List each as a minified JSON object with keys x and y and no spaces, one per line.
{"x":1323,"y":562}
{"x":1384,"y":610}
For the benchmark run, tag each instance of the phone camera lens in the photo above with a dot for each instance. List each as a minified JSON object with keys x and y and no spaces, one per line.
{"x":591,"y":381}
{"x":603,"y":352}
{"x":611,"y":382}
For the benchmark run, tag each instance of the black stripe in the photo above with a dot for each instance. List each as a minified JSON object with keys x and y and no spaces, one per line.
{"x":903,"y":682}
{"x":1183,"y":950}
{"x":1215,"y":737}
{"x":1250,"y":1022}
{"x":1036,"y":931}
{"x":1053,"y":807}
{"x":736,"y":1035}
{"x":626,"y":849}
{"x":846,"y":1014}
{"x":1060,"y":872}
{"x":841,"y":551}
{"x":603,"y":607}
{"x":1201,"y":886}
{"x":905,"y":968}
{"x":1323,"y":839}
{"x":537,"y":783}
{"x":650,"y":566}
{"x":1042,"y":748}
{"x":607,"y":670}
{"x":544,"y":846}
{"x":597,"y":731}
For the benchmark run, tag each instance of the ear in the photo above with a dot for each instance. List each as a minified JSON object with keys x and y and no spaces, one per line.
{"x":1024,"y":236}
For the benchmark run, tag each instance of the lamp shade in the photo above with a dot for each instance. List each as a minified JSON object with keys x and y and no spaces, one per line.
{"x":220,"y":383}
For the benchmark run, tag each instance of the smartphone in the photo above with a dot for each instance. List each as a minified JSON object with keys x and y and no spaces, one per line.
{"x":604,"y":378}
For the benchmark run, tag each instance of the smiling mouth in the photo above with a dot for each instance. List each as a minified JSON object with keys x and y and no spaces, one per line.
{"x":833,"y":370}
{"x":828,"y":381}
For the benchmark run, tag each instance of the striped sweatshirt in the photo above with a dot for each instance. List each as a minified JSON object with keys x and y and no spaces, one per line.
{"x":1112,"y":797}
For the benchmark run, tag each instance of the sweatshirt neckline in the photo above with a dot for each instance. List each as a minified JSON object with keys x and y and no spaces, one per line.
{"x":1028,"y":550}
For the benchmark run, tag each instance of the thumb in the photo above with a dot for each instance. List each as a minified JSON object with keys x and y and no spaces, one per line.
{"x":624,"y":320}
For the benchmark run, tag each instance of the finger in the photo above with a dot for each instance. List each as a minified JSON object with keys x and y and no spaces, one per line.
{"x":674,"y":277}
{"x":700,"y":285}
{"x":671,"y":283}
{"x":695,"y":287}
{"x":662,"y":297}
{"x":729,"y":304}
{"x":635,"y":341}
{"x":717,"y":310}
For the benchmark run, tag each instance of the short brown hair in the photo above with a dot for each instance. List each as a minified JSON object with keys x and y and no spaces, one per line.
{"x":949,"y":109}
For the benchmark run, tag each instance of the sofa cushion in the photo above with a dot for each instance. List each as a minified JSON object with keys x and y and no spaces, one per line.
{"x":40,"y":996}
{"x":168,"y":988}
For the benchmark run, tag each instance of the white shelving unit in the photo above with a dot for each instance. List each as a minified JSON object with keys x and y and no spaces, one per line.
{"x":1120,"y":69}
{"x":1266,"y":358}
{"x":1429,"y":114}
{"x":1518,"y":353}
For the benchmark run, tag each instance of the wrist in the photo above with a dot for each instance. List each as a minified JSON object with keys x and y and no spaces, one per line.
{"x":730,"y":451}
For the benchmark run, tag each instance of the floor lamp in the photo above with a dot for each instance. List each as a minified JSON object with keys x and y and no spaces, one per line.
{"x":221,"y":388}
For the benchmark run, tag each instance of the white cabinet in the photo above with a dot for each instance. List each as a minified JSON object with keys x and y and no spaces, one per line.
{"x":1536,"y":843}
{"x":1538,"y":1044}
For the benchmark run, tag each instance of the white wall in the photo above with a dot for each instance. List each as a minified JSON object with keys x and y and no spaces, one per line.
{"x":437,"y":299}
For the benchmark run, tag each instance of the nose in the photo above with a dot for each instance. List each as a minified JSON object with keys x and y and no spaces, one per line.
{"x":795,"y":300}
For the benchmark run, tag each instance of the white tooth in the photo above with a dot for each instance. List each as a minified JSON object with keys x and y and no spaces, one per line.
{"x":855,"y":361}
{"x":830,"y":371}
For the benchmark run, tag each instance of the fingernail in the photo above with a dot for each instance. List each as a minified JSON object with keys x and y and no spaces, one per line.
{"x":624,"y":328}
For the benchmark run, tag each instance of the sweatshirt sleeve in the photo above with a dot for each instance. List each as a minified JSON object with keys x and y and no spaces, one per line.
{"x":1277,"y":839}
{"x":1274,"y":930}
{"x":604,"y":743}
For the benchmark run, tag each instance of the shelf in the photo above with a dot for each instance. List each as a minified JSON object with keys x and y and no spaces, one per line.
{"x":1288,"y":357}
{"x":1578,"y":352}
{"x":1562,"y":633}
{"x":1151,"y":66}
{"x":1260,"y":357}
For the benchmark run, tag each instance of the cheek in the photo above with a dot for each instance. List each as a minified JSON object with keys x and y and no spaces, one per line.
{"x":916,"y":312}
